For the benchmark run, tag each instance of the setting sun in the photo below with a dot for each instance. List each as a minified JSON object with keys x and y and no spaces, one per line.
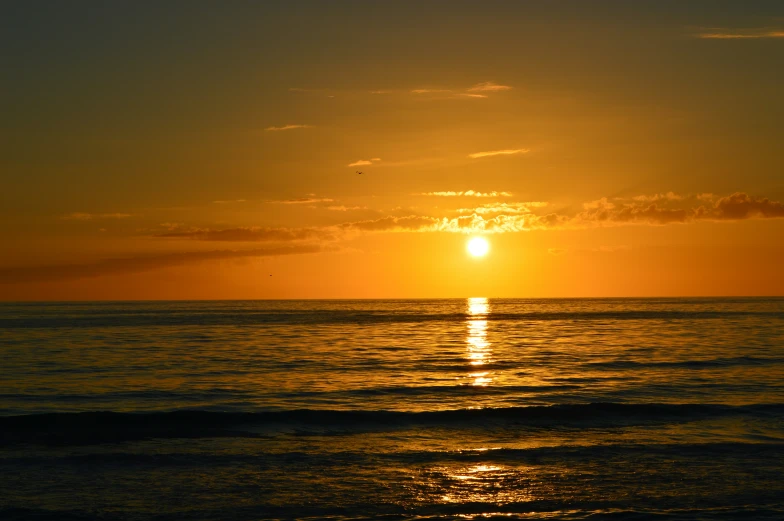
{"x":478,"y":247}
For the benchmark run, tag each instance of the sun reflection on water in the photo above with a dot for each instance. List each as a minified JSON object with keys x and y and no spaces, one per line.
{"x":481,"y":483}
{"x":479,"y":350}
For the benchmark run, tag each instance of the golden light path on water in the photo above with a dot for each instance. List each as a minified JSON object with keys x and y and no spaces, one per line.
{"x":480,"y":482}
{"x":479,"y":349}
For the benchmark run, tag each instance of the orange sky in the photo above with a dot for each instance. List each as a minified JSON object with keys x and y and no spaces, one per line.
{"x":196,"y":151}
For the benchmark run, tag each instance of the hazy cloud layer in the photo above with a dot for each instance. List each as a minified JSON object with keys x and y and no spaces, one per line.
{"x":522,"y":216}
{"x":505,"y":217}
{"x":463,"y":224}
{"x":126,"y":265}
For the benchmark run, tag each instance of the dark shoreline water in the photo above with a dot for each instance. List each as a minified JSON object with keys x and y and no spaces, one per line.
{"x":394,"y":409}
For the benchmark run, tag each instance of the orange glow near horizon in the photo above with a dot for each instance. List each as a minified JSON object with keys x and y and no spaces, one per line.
{"x":255,"y":169}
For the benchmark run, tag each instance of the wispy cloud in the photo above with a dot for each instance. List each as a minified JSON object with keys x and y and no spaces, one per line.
{"x":365,"y":162}
{"x":287,"y":127}
{"x":302,"y":200}
{"x":739,"y":34}
{"x":488,"y":86}
{"x":507,"y":152}
{"x":505,"y":208}
{"x":83,"y":216}
{"x":430,"y":91}
{"x":245,"y":234}
{"x":229,"y":201}
{"x":478,"y":91}
{"x":669,"y":196}
{"x":467,"y":193}
{"x":126,"y":265}
{"x":343,"y":208}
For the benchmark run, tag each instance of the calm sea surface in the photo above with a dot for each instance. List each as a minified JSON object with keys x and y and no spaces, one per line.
{"x":441,"y":409}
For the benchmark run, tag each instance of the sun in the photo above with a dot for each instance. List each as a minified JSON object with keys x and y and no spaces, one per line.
{"x":478,"y":246}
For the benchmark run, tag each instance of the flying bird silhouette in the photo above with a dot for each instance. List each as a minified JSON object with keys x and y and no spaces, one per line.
{"x":359,"y":172}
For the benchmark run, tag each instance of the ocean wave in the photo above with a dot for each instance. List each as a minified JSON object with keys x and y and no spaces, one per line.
{"x":575,"y":510}
{"x":332,"y":316}
{"x":769,"y":449}
{"x":687,"y":364}
{"x":105,"y":426}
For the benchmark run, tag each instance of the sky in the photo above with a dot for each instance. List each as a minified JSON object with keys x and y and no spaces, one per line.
{"x":210,"y":150}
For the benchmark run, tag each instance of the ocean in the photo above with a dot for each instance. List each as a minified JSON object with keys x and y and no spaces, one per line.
{"x":393,"y":409}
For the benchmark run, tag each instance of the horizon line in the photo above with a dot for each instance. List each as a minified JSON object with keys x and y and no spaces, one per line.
{"x":633,"y":297}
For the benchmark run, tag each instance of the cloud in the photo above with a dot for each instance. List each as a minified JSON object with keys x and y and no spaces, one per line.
{"x":744,"y":34}
{"x":407,"y":223}
{"x":741,"y":206}
{"x":245,"y":234}
{"x":500,"y":217}
{"x":524,"y":216}
{"x":126,"y":265}
{"x":463,"y":224}
{"x":602,"y":211}
{"x":81,"y":216}
{"x":508,"y":152}
{"x":365,"y":162}
{"x":669,"y":196}
{"x":467,"y":193}
{"x":230,"y":201}
{"x":488,"y":86}
{"x":343,"y":208}
{"x":505,"y":208}
{"x":430,"y":91}
{"x":478,"y":91}
{"x":556,"y":251}
{"x":679,"y":209}
{"x":287,"y":127}
{"x":302,"y":200}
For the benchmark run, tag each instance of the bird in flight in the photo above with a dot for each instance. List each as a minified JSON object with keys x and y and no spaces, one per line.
{"x":359,"y":172}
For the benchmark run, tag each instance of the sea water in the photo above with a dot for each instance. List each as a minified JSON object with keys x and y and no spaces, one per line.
{"x":393,"y":409}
